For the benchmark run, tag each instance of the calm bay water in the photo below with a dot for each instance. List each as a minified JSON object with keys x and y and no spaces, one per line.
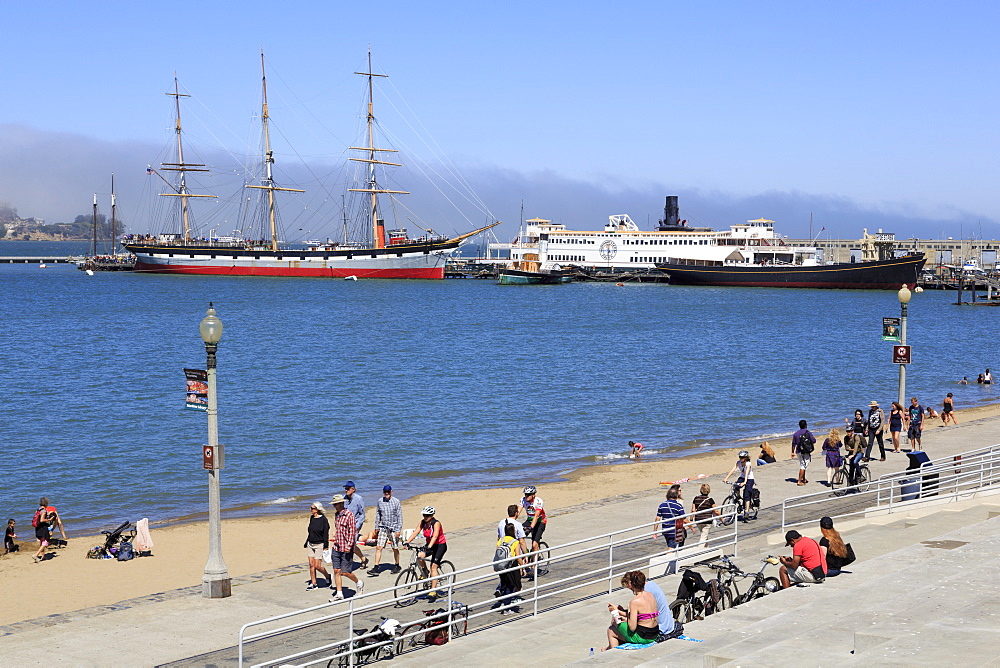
{"x":424,"y":385}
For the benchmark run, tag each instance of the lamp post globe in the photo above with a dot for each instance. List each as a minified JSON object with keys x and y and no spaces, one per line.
{"x":215,"y":582}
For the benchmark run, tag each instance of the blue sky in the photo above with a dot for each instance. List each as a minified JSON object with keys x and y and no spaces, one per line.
{"x":865,"y":114}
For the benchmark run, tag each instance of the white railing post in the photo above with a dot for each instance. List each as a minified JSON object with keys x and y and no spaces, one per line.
{"x":350,"y":631}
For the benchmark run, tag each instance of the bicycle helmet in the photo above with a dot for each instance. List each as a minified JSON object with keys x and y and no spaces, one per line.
{"x":529,"y":490}
{"x":428,"y":510}
{"x":744,"y":453}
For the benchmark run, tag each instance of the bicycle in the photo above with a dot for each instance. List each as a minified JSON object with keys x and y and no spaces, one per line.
{"x":736,"y":498}
{"x":415,"y":578}
{"x":845,"y":478}
{"x":379,"y":644}
{"x":761,"y":586}
{"x":706,"y":598}
{"x":455,"y":623}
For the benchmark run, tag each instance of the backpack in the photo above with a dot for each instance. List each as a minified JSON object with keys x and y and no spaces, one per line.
{"x":806,"y":446}
{"x":125,"y":551}
{"x":501,"y":558}
{"x":37,"y":519}
{"x":755,"y":498}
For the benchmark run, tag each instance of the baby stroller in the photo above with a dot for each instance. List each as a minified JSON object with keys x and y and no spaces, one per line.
{"x":116,"y":541}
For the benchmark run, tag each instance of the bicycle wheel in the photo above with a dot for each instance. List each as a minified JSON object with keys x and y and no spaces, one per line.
{"x":864,"y":479}
{"x":726,"y":600}
{"x":770,"y":586}
{"x":682,"y":610}
{"x":445,"y":570}
{"x":839,"y":480}
{"x":459,"y":622}
{"x":405,"y":643}
{"x":543,"y":556}
{"x":406,"y":588}
{"x":726,"y":520}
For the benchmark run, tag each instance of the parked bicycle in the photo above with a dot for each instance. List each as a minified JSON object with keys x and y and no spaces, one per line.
{"x":736,"y":498}
{"x":704,"y":597}
{"x":847,"y":476}
{"x":759,"y":586}
{"x":415,"y":579}
{"x":440,"y":626}
{"x":379,"y":644}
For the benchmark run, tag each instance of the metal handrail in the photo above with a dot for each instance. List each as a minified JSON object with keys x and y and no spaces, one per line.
{"x":966,"y":472}
{"x":539,"y":591}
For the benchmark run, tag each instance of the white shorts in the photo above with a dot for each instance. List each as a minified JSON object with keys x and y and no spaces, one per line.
{"x":801,"y":574}
{"x":315,"y":550}
{"x":388,"y":537}
{"x":804,"y":460}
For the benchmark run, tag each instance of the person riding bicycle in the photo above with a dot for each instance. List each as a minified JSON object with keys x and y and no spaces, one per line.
{"x":746,"y":480}
{"x":435,"y":547}
{"x":534,"y":525}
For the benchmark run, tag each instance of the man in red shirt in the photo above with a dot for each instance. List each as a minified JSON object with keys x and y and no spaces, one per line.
{"x":806,"y":564}
{"x":342,"y":547}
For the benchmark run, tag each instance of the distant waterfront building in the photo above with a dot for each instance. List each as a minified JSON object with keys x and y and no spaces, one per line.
{"x":938,"y":251}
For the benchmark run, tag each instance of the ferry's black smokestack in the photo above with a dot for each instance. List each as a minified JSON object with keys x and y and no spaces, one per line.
{"x":671,"y":213}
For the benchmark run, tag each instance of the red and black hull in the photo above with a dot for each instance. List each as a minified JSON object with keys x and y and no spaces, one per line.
{"x":878,"y":275}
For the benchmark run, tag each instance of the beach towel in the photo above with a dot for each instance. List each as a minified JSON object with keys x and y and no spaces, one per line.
{"x":636,"y":645}
{"x":143,"y":542}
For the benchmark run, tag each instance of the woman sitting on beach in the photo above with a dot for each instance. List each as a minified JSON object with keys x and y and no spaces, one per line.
{"x":435,"y":547}
{"x":831,"y":448}
{"x":832,"y":548}
{"x":638,"y":624}
{"x":766,"y":455}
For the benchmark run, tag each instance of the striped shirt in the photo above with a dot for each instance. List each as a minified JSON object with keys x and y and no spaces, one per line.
{"x":344,"y":531}
{"x":389,"y":514}
{"x":668,"y":510}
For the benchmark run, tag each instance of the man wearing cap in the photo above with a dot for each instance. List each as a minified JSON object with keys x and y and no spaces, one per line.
{"x":876,"y":423}
{"x":806,"y":564}
{"x":357,"y":506}
{"x":341,"y":552}
{"x":388,"y":524}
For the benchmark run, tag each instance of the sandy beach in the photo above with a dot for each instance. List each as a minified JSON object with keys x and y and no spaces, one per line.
{"x":69,"y":581}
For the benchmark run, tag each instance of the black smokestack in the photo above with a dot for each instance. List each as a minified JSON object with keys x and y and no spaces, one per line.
{"x":671,"y":213}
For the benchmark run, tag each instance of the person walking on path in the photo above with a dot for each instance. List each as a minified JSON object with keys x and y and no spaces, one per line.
{"x":672,"y":529}
{"x":345,"y":532}
{"x":510,"y":582}
{"x":876,"y":423}
{"x":356,"y":505}
{"x":705,"y":512}
{"x":388,"y":525}
{"x":803,"y":443}
{"x":513,"y":510}
{"x":831,"y":451}
{"x":914,"y":423}
{"x":746,"y":479}
{"x":317,"y":540}
{"x":948,"y":410}
{"x":895,"y":424}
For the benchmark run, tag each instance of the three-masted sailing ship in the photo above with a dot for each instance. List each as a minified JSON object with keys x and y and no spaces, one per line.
{"x":389,"y":254}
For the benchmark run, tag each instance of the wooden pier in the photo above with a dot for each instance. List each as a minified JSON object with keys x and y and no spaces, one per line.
{"x":34,"y":259}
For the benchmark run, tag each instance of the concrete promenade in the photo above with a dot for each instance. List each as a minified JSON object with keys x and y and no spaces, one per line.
{"x":180,"y":626}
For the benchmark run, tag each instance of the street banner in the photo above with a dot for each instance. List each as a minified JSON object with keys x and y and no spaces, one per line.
{"x":890,"y":329}
{"x":197,"y":389}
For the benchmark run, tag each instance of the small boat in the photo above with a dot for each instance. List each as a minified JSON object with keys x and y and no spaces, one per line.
{"x":113,"y":260}
{"x":532,"y":272}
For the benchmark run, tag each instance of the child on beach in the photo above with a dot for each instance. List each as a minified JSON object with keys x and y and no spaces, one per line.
{"x":8,"y":538}
{"x":636,"y":450}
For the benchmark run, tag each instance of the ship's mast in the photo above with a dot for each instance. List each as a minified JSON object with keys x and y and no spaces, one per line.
{"x":114,"y":204}
{"x":268,"y":183}
{"x":378,"y":231}
{"x":95,"y":225}
{"x":182,"y":167}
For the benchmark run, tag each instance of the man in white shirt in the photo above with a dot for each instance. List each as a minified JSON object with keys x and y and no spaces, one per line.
{"x":513,"y":510}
